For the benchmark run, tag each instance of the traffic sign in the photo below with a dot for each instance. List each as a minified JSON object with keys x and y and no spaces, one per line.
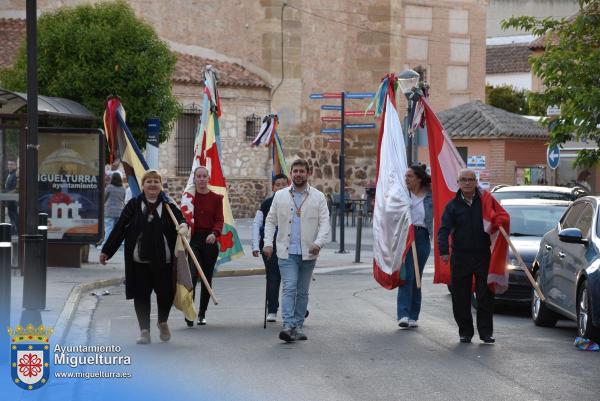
{"x":553,"y":156}
{"x":359,"y":95}
{"x":553,"y":111}
{"x":330,"y":131}
{"x":360,"y":126}
{"x":331,"y":107}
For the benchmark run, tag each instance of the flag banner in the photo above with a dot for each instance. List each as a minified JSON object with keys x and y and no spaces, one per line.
{"x":393,"y":232}
{"x":207,"y":152}
{"x":122,"y":145}
{"x":183,"y":299}
{"x":268,"y":136}
{"x":445,"y":163}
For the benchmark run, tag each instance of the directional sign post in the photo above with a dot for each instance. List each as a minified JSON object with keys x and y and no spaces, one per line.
{"x":553,"y":156}
{"x":333,"y":132}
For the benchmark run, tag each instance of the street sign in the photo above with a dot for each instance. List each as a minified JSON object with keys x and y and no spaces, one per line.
{"x":359,"y":95}
{"x":333,"y":140}
{"x":553,"y":156}
{"x":331,"y":107}
{"x":359,"y":113}
{"x":553,"y":111}
{"x":360,"y":126}
{"x":326,"y":95}
{"x":331,"y":118}
{"x":330,"y":131}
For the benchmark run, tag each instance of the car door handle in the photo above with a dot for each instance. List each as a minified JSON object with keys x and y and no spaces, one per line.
{"x":548,"y":248}
{"x":561,"y":255}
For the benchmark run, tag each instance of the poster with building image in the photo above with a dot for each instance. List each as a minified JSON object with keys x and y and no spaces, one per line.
{"x":69,"y":183}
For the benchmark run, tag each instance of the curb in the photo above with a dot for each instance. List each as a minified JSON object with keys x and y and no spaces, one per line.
{"x":240,"y":272}
{"x":63,"y":323}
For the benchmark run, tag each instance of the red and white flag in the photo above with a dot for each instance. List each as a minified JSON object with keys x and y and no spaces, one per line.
{"x":446,"y":163}
{"x":393,"y":232}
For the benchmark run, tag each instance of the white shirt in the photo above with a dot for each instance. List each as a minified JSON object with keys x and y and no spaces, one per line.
{"x":417,"y":210}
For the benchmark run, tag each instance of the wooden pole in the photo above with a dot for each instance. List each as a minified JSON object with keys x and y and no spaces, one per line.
{"x":192,"y":255}
{"x":416,"y":264}
{"x":525,"y":269}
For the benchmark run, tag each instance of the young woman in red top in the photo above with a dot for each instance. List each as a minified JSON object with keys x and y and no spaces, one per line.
{"x":208,"y":224}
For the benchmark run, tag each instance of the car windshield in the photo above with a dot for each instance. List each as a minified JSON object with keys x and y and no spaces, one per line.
{"x":532,"y":195}
{"x":534,"y":220}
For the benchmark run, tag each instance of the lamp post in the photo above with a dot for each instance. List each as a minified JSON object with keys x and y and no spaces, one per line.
{"x":408,"y":81}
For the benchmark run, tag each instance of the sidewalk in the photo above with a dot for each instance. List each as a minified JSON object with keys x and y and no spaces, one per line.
{"x":66,"y":286}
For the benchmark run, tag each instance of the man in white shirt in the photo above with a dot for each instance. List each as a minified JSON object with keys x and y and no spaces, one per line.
{"x":300,"y":214}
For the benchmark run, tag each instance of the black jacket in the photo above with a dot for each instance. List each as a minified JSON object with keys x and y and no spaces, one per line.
{"x":264,"y":208}
{"x":129,"y":227}
{"x":465,"y":224}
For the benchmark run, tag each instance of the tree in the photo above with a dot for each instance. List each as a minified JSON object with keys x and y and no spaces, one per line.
{"x":518,"y":101}
{"x":570,"y":71}
{"x":89,"y":52}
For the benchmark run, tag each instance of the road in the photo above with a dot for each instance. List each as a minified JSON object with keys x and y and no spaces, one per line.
{"x":355,"y":349}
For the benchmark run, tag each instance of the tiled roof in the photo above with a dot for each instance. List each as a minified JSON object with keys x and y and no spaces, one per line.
{"x":189,"y":70}
{"x":501,"y":59}
{"x":12,"y":34}
{"x":479,"y":120}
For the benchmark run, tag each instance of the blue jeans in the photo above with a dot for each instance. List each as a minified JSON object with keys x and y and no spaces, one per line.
{"x":409,"y":296}
{"x":109,"y":223}
{"x":295,"y":277}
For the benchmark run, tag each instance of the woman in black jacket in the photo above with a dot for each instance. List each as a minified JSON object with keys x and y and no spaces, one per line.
{"x":150,"y":236}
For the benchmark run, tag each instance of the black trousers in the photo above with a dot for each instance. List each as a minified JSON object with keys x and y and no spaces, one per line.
{"x":273,"y":282}
{"x":207,"y":257}
{"x":14,"y":216}
{"x":148,"y":277}
{"x":464,"y":268}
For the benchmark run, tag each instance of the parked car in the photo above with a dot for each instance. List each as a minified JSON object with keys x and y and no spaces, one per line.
{"x":567,"y":269}
{"x":530,"y":219}
{"x":501,"y":192}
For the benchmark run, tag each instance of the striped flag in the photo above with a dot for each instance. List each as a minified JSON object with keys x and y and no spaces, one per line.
{"x":393,"y":232}
{"x":207,"y":153}
{"x":122,"y":145}
{"x":268,"y":136}
{"x":446,"y":163}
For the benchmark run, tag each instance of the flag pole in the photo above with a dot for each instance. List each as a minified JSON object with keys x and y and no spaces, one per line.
{"x":193,"y":256}
{"x":416,"y":264}
{"x":527,"y":273}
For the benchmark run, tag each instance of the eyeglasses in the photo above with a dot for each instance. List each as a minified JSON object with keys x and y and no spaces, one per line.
{"x":467,"y":180}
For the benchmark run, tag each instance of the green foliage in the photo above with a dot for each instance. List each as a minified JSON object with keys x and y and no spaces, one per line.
{"x":507,"y":98}
{"x":570,"y":71}
{"x":89,"y":52}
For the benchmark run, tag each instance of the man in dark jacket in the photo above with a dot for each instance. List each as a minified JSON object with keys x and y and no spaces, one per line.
{"x":271,"y":265}
{"x":463,"y":220}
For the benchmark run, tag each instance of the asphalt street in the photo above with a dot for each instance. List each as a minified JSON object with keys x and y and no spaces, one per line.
{"x":355,"y":349}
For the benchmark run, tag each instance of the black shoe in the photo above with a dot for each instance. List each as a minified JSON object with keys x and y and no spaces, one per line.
{"x":201,"y":320}
{"x":299,"y":335}
{"x":190,"y":323}
{"x":465,"y":339}
{"x":306,"y":314}
{"x":488,"y":340}
{"x":287,"y":335}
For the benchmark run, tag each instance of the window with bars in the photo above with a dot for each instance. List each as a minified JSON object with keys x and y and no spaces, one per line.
{"x":253,"y":123}
{"x":185,"y":134}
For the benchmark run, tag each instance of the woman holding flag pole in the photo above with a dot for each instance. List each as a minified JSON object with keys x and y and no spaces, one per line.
{"x":208,"y":225}
{"x":150,"y":235}
{"x":408,"y":304}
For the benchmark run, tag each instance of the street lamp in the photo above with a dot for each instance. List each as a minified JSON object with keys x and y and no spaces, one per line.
{"x":408,"y":81}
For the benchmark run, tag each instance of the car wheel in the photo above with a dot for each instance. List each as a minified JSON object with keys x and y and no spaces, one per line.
{"x":541,"y":315}
{"x":585,"y":327}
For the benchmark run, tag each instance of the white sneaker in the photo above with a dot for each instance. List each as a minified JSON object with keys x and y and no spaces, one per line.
{"x":272,"y":317}
{"x":403,"y":322}
{"x":412,"y":323}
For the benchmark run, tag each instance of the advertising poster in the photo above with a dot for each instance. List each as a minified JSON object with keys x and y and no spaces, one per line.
{"x":70,"y":190}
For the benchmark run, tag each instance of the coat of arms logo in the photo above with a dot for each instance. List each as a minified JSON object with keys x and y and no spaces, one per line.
{"x":30,"y":356}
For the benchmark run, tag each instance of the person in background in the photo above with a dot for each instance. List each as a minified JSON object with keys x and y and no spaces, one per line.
{"x":279,"y":181}
{"x":208,"y":225}
{"x":150,"y":235}
{"x":114,"y":200}
{"x":408,"y":302}
{"x":10,"y":186}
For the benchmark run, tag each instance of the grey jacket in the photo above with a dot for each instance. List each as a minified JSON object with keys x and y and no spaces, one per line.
{"x":114,"y":200}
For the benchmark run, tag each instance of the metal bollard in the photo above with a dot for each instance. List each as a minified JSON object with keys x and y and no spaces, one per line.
{"x":5,"y":272}
{"x":359,"y":225}
{"x":34,"y":279}
{"x":333,"y":222}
